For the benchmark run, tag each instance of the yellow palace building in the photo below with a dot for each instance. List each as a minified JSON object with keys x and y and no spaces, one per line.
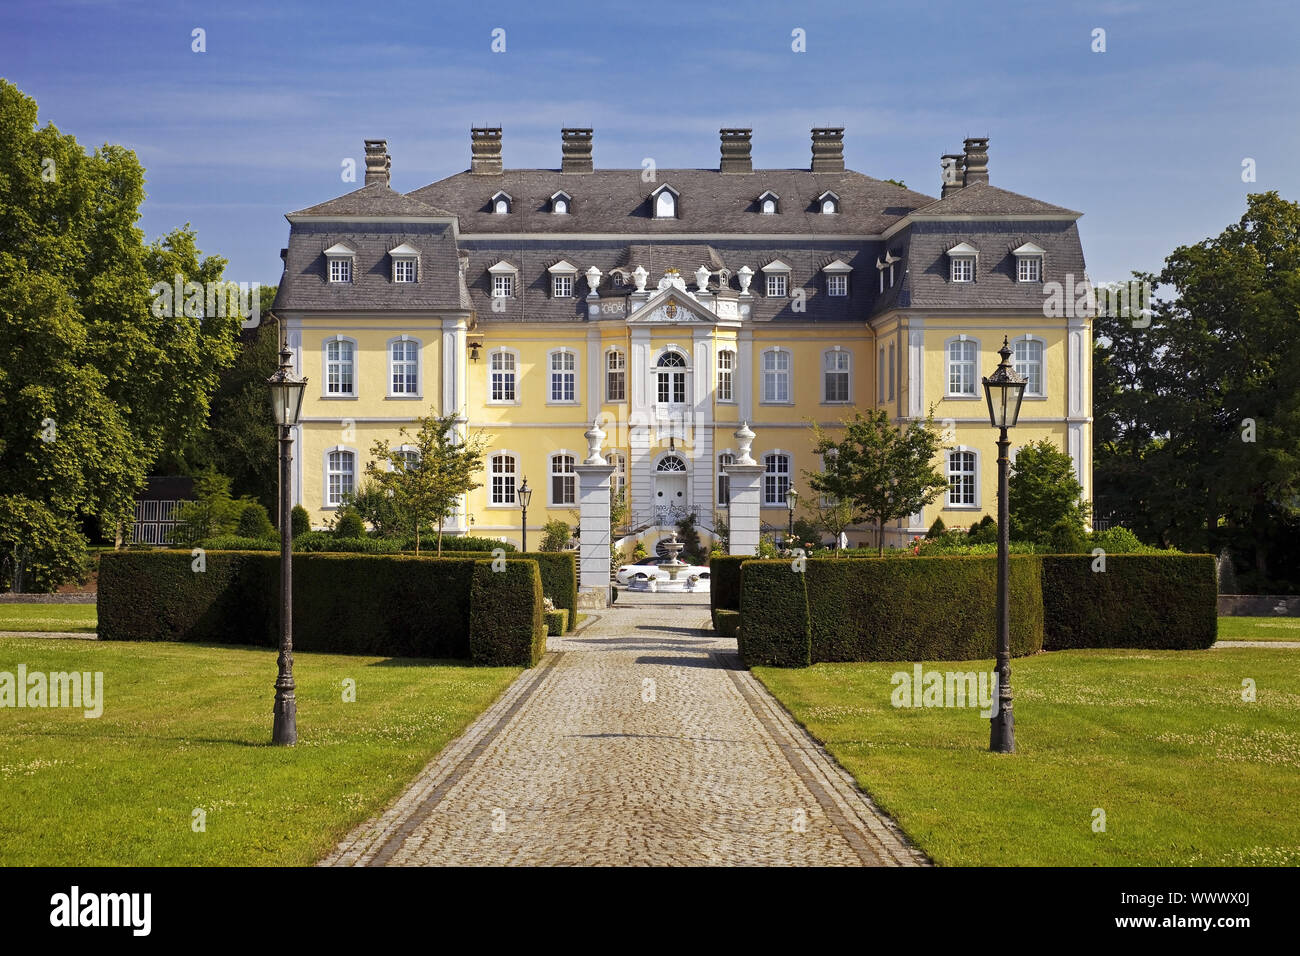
{"x":672,"y":305}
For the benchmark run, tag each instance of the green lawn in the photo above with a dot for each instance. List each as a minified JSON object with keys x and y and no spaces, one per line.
{"x":188,"y":726}
{"x":1259,"y":628}
{"x":80,"y":618}
{"x":1185,"y":770}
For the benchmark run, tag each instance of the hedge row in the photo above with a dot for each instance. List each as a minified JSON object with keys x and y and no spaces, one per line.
{"x":724,"y":583}
{"x":557,"y":621}
{"x":1159,"y":601}
{"x":727,"y":622}
{"x":774,"y":609}
{"x":507,"y":623}
{"x":559,"y":570}
{"x":356,"y":604}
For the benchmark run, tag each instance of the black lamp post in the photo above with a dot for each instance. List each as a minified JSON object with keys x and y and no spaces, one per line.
{"x":1004,"y":389}
{"x":525,"y":495}
{"x":791,"y":499}
{"x":286,"y":405}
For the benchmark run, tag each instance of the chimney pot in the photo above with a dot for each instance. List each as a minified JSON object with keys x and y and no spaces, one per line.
{"x":977,"y":160}
{"x":952,"y":173}
{"x":736,"y":156}
{"x":378,"y":161}
{"x":828,"y":149}
{"x":485,"y":150}
{"x":575,"y":150}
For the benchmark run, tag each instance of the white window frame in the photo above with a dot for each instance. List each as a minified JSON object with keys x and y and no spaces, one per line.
{"x":512,"y":475}
{"x":725,"y":457}
{"x":973,"y":472}
{"x":664,"y":202}
{"x":405,"y":339}
{"x":401,"y":453}
{"x":837,"y":285}
{"x":558,"y":459}
{"x":505,"y":280}
{"x":846,"y":373}
{"x":1042,"y":363}
{"x":558,"y":199}
{"x":620,"y":371}
{"x":1029,"y":268}
{"x":673,"y":375}
{"x":778,"y":285}
{"x":326,"y":362}
{"x":948,"y":363}
{"x":499,"y":197}
{"x":831,"y":199}
{"x":769,"y":459}
{"x":513,"y":372}
{"x":554,"y":375}
{"x":777,"y":375}
{"x":962,"y":269}
{"x":618,"y":477}
{"x":562,"y":286}
{"x":727,"y":377}
{"x":328,"y":502}
{"x":404,"y":269}
{"x":344,"y":265}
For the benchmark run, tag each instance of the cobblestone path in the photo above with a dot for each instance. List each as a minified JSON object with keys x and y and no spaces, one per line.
{"x":637,"y":741}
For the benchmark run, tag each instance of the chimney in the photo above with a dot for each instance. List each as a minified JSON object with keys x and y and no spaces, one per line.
{"x":735,"y":151}
{"x":952,"y":173}
{"x":575,"y":151}
{"x":977,"y":160}
{"x":377,"y":161}
{"x":485,"y":150}
{"x":828,"y":149}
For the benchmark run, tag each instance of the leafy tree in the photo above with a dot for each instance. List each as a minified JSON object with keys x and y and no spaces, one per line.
{"x":828,"y":516}
{"x":375,"y":506}
{"x":721,"y":533}
{"x":212,"y":513}
{"x":428,"y":488}
{"x":884,"y":472}
{"x":1043,"y":490}
{"x":1065,"y":537}
{"x":39,"y":549}
{"x":689,"y":535}
{"x":555,"y":535}
{"x":619,"y":513}
{"x":984,"y":531}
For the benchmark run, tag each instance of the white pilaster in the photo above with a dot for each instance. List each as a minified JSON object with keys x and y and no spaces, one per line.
{"x":745,"y":373}
{"x":916,"y":368}
{"x":743,"y":511}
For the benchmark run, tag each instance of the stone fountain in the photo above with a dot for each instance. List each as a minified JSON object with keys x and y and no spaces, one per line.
{"x":674,"y":566}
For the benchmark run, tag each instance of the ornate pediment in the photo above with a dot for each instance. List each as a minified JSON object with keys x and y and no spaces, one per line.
{"x":671,"y":306}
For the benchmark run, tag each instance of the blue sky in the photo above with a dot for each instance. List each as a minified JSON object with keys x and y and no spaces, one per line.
{"x":1147,"y":138}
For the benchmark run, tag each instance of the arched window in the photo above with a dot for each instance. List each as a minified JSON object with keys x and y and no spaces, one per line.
{"x":962,"y":371}
{"x":1027,"y":359}
{"x":406,"y":457}
{"x":615,"y":376}
{"x":564,"y":376}
{"x":724,"y":479}
{"x":962,"y":489}
{"x":836,"y":369}
{"x":503,"y":368}
{"x":726,"y":375}
{"x":561,"y":207}
{"x":340,"y":367}
{"x":769,"y":207}
{"x":665,"y":205}
{"x":404,"y":367}
{"x":563,"y":480}
{"x":670,"y":463}
{"x":502,"y":470}
{"x":671,"y":375}
{"x":776,"y":376}
{"x":340,"y":476}
{"x":776,"y":478}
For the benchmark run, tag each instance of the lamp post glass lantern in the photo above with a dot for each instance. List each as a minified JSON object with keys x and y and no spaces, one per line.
{"x":791,"y":499}
{"x":525,"y":496}
{"x":286,"y":406}
{"x":1004,"y":390}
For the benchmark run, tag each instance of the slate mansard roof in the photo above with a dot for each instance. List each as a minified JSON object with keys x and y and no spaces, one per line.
{"x":611,"y":226}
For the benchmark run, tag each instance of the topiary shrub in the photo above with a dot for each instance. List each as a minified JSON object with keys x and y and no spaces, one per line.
{"x":918,"y":609}
{"x":327,"y":541}
{"x":727,"y":622}
{"x":299,"y":520}
{"x":984,"y":531}
{"x":724,"y":584}
{"x":1118,"y":540}
{"x":1162,"y":601}
{"x":937,"y":528}
{"x":233,"y":542}
{"x":1066,"y":537}
{"x":254,"y":522}
{"x":507,"y":623}
{"x":774,"y":612}
{"x":557,"y":622}
{"x":559,"y":571}
{"x":467,"y":543}
{"x":349,"y":525}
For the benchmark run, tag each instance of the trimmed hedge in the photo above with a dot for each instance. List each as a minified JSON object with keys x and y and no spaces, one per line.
{"x":1159,"y":601}
{"x":347,"y":603}
{"x":557,"y":622}
{"x":724,"y":583}
{"x":559,"y":570}
{"x":507,"y":624}
{"x":728,"y":622}
{"x":774,"y":609}
{"x":919,"y":609}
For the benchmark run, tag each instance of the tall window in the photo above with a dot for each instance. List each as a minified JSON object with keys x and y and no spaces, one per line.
{"x":563,"y":480}
{"x":776,"y":376}
{"x":618,"y":480}
{"x":404,"y":367}
{"x":615,"y":376}
{"x":665,"y":205}
{"x":672,"y":378}
{"x":836,"y":368}
{"x":564,"y":377}
{"x":963,"y":268}
{"x":502,"y":480}
{"x":562,"y":287}
{"x":961,"y":367}
{"x":339,"y":371}
{"x":724,"y":479}
{"x":1027,"y":359}
{"x":777,"y":284}
{"x":893,"y":365}
{"x":961,"y":478}
{"x":340,"y":476}
{"x":503,"y":286}
{"x":726,"y":375}
{"x":776,"y":479}
{"x":407,"y":458}
{"x":340,"y":270}
{"x":837,"y":284}
{"x":502,"y":372}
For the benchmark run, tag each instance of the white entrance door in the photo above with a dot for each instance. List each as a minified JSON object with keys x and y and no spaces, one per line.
{"x":670,"y":493}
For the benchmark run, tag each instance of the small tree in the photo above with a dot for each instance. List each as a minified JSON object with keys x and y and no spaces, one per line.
{"x":348,"y":525}
{"x":618,"y":517}
{"x":689,"y":535}
{"x":721,"y":533}
{"x":213,"y":512}
{"x":1043,"y":491}
{"x":426,"y":485}
{"x":828,"y":515}
{"x":555,"y":535}
{"x":884,"y":472}
{"x":375,"y":506}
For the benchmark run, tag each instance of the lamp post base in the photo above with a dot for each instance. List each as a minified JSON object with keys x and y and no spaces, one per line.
{"x":1002,"y":730}
{"x":284,"y":732}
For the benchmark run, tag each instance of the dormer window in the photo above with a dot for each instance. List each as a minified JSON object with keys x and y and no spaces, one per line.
{"x":837,"y":277}
{"x":405,"y":262}
{"x":778,"y":279}
{"x":339,"y":257}
{"x":562,"y":277}
{"x":560,"y":203}
{"x":828,"y":203}
{"x":503,"y":279}
{"x":664,"y":202}
{"x":501,"y":203}
{"x":961,"y":258}
{"x":1029,"y":262}
{"x":769,"y":203}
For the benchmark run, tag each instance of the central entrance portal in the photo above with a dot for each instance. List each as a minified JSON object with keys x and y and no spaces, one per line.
{"x":670,"y":488}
